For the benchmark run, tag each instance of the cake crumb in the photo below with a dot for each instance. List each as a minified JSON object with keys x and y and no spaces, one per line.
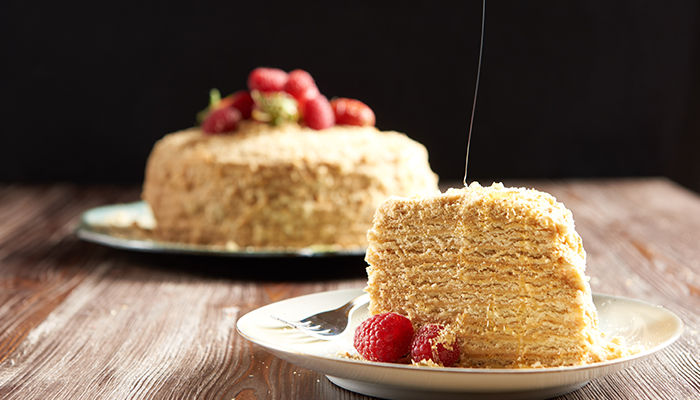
{"x":345,"y":354}
{"x":426,"y":363}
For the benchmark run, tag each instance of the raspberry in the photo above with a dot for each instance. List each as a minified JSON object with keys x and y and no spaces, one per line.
{"x":352,"y":112}
{"x":317,"y":113}
{"x":267,"y":79}
{"x":241,"y":100}
{"x":423,"y":347}
{"x":221,"y":120}
{"x":301,"y":85}
{"x":384,"y":337}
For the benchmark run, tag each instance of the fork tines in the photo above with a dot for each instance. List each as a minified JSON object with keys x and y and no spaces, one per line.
{"x":306,"y":326}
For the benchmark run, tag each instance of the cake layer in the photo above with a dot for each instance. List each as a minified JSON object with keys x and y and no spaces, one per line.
{"x":280,"y":187}
{"x":503,"y":268}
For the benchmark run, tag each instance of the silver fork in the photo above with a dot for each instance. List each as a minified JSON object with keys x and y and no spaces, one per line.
{"x":325,"y":325}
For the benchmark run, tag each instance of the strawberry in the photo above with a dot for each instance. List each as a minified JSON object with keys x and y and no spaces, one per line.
{"x":317,"y":113}
{"x":240,"y":100}
{"x":301,"y":85}
{"x":267,"y":79}
{"x":221,"y":120}
{"x":352,"y":112}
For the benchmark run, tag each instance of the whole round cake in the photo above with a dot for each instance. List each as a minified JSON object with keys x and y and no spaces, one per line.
{"x":277,"y":178}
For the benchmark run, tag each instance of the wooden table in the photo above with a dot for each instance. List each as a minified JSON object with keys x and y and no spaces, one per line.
{"x":81,"y":321}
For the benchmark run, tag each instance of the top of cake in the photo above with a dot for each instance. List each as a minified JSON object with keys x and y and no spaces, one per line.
{"x":531,"y":209}
{"x":256,"y":143}
{"x":275,"y":97}
{"x":529,"y":203}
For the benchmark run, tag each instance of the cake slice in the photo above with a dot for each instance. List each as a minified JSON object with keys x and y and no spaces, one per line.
{"x":501,"y":267}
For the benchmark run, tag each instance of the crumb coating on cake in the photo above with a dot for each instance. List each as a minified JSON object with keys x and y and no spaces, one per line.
{"x":280,"y":187}
{"x":504,"y":267}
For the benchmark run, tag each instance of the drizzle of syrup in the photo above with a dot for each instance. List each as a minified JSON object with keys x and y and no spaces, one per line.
{"x":476,"y":90}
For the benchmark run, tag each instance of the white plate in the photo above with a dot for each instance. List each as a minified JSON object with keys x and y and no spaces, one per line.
{"x":95,"y":227}
{"x":639,"y":323}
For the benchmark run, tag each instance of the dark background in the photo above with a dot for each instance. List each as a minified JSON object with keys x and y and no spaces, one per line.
{"x":569,"y":88}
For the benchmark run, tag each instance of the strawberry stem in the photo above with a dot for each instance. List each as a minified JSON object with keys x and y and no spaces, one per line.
{"x":274,"y":108}
{"x":214,"y":99}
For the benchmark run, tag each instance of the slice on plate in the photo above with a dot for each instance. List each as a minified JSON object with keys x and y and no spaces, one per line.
{"x":501,"y":268}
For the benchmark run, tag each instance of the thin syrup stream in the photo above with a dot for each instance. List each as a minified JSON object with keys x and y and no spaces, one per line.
{"x":476,"y":90}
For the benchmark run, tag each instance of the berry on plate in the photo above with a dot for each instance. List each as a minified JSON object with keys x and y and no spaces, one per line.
{"x":384,"y":337}
{"x":352,"y":112}
{"x":267,"y":79}
{"x":317,"y":113}
{"x":433,"y":342}
{"x":301,"y":85}
{"x":221,"y":120}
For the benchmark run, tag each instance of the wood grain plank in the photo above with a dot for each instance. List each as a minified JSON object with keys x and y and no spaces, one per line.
{"x":37,"y":262}
{"x":168,"y":336}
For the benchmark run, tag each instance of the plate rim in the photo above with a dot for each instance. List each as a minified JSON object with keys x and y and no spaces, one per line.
{"x":679,"y":329}
{"x":88,"y":232}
